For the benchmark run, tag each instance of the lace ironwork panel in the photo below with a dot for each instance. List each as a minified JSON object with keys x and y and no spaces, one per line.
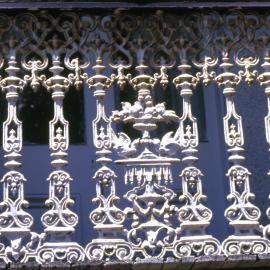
{"x":140,"y":56}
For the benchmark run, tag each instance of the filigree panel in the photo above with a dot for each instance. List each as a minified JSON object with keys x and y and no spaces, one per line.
{"x":142,"y":52}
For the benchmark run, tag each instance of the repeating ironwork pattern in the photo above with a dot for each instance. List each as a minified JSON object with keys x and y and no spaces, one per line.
{"x":56,"y":50}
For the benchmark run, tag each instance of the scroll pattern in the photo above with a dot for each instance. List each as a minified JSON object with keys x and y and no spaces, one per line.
{"x":207,"y":47}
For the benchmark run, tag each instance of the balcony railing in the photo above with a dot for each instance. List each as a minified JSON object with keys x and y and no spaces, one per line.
{"x":57,"y":51}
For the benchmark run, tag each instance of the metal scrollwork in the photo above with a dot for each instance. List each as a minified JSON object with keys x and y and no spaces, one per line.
{"x":53,"y":51}
{"x":264,"y":81}
{"x":243,"y":216}
{"x":15,"y":222}
{"x":107,"y":217}
{"x":148,"y":163}
{"x":240,"y":194}
{"x":194,"y":217}
{"x":59,"y":221}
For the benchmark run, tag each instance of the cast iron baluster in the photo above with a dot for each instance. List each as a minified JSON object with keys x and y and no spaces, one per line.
{"x":107,"y":217}
{"x":15,"y":223}
{"x":59,"y":221}
{"x":243,"y":216}
{"x":194,"y":216}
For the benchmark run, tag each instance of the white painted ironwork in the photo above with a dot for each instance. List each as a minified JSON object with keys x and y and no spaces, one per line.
{"x":194,"y":216}
{"x":264,"y":80}
{"x":242,"y":215}
{"x":15,"y":222}
{"x":148,"y":228}
{"x":59,"y":221}
{"x":107,"y":217}
{"x":148,"y":163}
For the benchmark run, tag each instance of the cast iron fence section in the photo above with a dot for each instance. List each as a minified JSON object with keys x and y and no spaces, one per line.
{"x":57,"y":51}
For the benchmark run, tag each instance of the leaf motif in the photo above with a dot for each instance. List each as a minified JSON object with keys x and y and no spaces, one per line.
{"x":168,"y":145}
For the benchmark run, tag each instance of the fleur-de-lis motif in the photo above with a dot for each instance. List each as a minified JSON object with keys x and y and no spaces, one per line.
{"x":206,"y":76}
{"x":12,"y":141}
{"x":59,"y":139}
{"x":247,"y":63}
{"x":234,"y":136}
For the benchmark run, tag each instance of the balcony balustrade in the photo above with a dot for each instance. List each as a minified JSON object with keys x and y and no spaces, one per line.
{"x":124,"y":49}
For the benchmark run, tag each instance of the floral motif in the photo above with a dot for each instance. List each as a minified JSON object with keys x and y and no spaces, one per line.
{"x":234,"y":136}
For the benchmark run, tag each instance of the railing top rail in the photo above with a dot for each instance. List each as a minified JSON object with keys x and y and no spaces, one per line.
{"x":33,"y":5}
